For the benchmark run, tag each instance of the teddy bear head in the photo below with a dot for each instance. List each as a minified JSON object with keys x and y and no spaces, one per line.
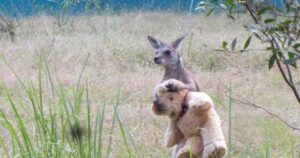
{"x":169,"y":98}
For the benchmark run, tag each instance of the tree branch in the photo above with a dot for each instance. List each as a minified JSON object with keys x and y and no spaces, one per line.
{"x":289,"y":80}
{"x":247,"y":102}
{"x":287,"y":75}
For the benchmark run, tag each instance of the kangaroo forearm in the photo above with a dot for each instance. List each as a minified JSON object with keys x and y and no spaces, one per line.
{"x":191,"y":87}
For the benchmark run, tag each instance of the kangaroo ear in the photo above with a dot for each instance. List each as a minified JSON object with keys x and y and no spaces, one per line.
{"x":156,"y":44}
{"x":178,"y":42}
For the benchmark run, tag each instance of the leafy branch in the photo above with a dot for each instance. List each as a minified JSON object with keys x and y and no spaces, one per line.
{"x":278,"y":27}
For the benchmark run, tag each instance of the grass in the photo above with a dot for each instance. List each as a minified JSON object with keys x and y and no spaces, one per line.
{"x":229,"y":119}
{"x":59,"y":132}
{"x":86,"y":92}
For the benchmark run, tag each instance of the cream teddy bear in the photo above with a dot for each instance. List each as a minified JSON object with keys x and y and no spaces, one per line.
{"x":192,"y":118}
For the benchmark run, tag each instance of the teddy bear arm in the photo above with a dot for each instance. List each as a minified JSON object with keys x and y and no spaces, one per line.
{"x":213,"y":138}
{"x":173,"y":135}
{"x":199,"y":101}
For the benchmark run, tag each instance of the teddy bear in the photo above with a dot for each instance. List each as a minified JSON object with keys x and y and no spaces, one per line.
{"x":193,"y":119}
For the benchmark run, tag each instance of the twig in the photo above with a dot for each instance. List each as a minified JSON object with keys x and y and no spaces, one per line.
{"x":247,"y":102}
{"x":251,"y":13}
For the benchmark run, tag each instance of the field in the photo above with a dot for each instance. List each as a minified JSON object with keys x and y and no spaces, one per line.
{"x":97,"y":73}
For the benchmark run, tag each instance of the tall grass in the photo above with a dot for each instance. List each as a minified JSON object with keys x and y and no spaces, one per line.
{"x":229,"y":119}
{"x":64,"y":129}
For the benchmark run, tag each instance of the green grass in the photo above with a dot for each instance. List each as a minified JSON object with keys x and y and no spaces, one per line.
{"x":58,"y":131}
{"x":230,"y":119}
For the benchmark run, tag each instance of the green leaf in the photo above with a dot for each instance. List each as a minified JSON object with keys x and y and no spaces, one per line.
{"x":230,"y":16}
{"x":286,"y":22}
{"x":224,"y":6}
{"x":247,"y":42}
{"x":257,"y":35}
{"x":213,"y":1}
{"x":290,"y":61}
{"x":264,"y":9}
{"x":230,"y":2}
{"x":270,"y":48}
{"x":296,"y":47}
{"x":233,"y":44}
{"x":202,"y":5}
{"x":290,"y":40}
{"x":291,"y":55}
{"x":224,"y":45}
{"x":272,"y":60}
{"x":209,"y":12}
{"x":287,"y":6}
{"x":269,"y":20}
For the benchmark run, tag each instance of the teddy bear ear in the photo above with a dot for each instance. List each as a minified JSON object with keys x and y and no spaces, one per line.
{"x":171,"y":87}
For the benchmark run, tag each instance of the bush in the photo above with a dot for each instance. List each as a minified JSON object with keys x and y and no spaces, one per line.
{"x":278,"y":27}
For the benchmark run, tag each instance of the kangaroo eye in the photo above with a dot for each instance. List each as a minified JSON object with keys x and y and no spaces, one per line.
{"x":167,"y":52}
{"x":171,"y":98}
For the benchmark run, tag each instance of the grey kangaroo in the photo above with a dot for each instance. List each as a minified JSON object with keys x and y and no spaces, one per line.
{"x":167,"y":55}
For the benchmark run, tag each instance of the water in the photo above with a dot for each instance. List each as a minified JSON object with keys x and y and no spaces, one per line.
{"x":33,"y":7}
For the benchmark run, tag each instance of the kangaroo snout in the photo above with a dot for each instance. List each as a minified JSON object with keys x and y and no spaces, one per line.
{"x":156,"y":60}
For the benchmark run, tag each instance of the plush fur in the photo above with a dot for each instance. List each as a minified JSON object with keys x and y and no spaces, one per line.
{"x":193,"y":119}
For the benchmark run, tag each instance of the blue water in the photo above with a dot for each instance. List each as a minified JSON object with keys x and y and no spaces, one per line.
{"x":34,"y":7}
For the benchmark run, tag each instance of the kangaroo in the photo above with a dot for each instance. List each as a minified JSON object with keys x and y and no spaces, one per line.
{"x":167,"y":55}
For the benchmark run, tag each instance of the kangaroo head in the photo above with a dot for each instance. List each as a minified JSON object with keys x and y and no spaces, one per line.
{"x":166,"y":54}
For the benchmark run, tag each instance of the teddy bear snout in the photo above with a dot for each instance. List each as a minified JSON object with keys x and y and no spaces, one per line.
{"x":159,"y":106}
